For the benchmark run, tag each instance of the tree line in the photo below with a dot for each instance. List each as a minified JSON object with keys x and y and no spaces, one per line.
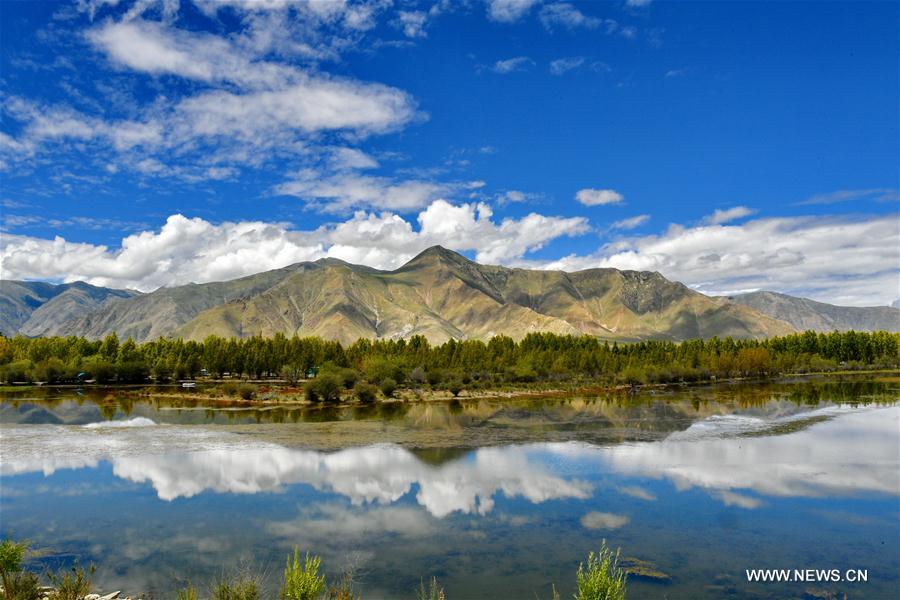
{"x":536,"y":357}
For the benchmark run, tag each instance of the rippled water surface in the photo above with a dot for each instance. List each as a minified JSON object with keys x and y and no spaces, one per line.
{"x":497,"y":498}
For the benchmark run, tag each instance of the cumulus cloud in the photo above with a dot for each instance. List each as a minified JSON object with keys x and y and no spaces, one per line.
{"x":508,"y":11}
{"x":594,"y":197}
{"x":194,"y":250}
{"x":725,"y":216}
{"x":517,"y":63}
{"x":842,"y":260}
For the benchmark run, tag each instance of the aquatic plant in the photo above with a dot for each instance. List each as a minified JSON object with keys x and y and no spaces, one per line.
{"x":71,"y":584}
{"x":432,"y":592}
{"x":602,"y":578}
{"x":302,"y":582}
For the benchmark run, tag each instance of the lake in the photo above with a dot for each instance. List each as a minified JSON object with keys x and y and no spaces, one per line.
{"x":496,"y":498}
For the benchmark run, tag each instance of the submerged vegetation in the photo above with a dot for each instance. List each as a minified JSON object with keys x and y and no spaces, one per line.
{"x":365,"y":368}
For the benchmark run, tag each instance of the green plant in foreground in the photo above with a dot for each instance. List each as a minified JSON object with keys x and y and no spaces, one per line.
{"x":433,"y":592}
{"x":602,"y":578}
{"x":71,"y":584}
{"x":239,"y":588}
{"x":17,"y":584}
{"x":187,"y":593}
{"x":302,"y":582}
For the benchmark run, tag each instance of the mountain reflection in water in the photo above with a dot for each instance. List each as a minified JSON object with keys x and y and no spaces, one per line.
{"x":832,"y":451}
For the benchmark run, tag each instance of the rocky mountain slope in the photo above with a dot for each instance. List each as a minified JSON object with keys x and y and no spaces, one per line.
{"x":804,"y":314}
{"x":35,"y":308}
{"x":438,"y":294}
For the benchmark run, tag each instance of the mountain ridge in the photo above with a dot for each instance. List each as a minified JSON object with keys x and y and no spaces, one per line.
{"x":438,"y":293}
{"x":806,"y":314}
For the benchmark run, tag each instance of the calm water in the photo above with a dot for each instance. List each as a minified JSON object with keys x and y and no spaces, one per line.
{"x":498,"y":499}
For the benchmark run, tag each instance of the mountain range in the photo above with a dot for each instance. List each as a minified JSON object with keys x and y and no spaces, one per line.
{"x":439,"y":294}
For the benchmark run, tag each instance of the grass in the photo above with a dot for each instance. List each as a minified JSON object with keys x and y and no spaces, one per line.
{"x":602,"y":578}
{"x":71,"y":584}
{"x":432,"y":592}
{"x":239,"y":587}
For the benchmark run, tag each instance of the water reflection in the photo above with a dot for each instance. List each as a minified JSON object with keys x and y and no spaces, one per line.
{"x":833,"y":451}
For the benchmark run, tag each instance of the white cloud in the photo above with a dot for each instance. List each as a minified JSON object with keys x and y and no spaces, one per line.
{"x":182,"y":464}
{"x":517,"y":63}
{"x":412,"y":22}
{"x":194,"y":250}
{"x":566,"y":15}
{"x":566,"y":64}
{"x":638,"y":3}
{"x":595,"y":197}
{"x":343,"y":191}
{"x":631,"y":222}
{"x":876,"y":194}
{"x":603,"y":520}
{"x":508,"y":11}
{"x":726,"y":216}
{"x":842,"y":260}
{"x":240,"y":109}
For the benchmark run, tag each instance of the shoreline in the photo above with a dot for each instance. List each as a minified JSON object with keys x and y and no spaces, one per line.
{"x":293,"y":396}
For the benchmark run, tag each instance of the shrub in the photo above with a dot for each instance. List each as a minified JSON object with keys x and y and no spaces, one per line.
{"x":455,"y":387}
{"x":433,"y":592}
{"x":247,"y":391}
{"x":365,"y":392}
{"x":418,"y":376}
{"x":348,"y":377}
{"x":229,"y":388}
{"x":388,"y":387}
{"x":324,"y":388}
{"x":51,"y":370}
{"x":19,"y":370}
{"x":240,"y":587}
{"x":17,"y":584}
{"x":602,"y":578}
{"x":302,"y":582}
{"x":187,"y":593}
{"x":71,"y":584}
{"x":435,"y":377}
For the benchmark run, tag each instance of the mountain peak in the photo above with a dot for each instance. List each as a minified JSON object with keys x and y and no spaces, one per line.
{"x":437,"y":253}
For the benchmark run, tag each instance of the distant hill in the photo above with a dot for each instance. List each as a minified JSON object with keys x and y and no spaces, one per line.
{"x":35,"y":308}
{"x":806,"y":314}
{"x":439,"y":294}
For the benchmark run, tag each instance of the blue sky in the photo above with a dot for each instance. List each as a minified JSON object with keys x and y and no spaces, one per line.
{"x":730,"y":145}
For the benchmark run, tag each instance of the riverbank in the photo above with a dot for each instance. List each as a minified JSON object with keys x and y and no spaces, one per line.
{"x":279,"y":393}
